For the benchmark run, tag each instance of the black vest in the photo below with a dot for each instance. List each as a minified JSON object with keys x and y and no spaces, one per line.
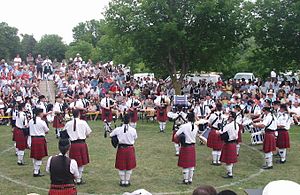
{"x":60,"y":170}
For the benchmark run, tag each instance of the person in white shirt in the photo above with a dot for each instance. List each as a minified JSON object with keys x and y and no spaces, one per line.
{"x":187,"y":156}
{"x":107,"y":104}
{"x":229,"y":135}
{"x":269,"y":124}
{"x":283,"y":126}
{"x":161,"y":102}
{"x":295,"y":112}
{"x":58,"y":122}
{"x":214,"y":140}
{"x":77,"y":60}
{"x":82,"y":105}
{"x":47,"y":67}
{"x":21,"y":134}
{"x":78,"y":130}
{"x":239,"y":120}
{"x":37,"y":142}
{"x":17,"y":60}
{"x":133,"y":105}
{"x":125,"y":157}
{"x":201,"y":110}
{"x":63,"y":170}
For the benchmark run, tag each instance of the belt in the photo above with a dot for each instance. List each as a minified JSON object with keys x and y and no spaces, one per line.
{"x":270,"y":130}
{"x":62,"y":186}
{"x":188,"y":145}
{"x":125,"y":145}
{"x":78,"y":141}
{"x":231,"y":141}
{"x":282,"y":130}
{"x":38,"y":136}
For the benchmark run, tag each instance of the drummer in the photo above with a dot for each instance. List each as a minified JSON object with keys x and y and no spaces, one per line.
{"x":201,"y":110}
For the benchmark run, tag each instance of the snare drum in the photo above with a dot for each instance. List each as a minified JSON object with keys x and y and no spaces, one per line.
{"x":203,"y":136}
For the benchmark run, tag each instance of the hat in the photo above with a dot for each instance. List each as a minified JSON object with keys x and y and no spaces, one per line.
{"x":281,"y":187}
{"x":19,"y":98}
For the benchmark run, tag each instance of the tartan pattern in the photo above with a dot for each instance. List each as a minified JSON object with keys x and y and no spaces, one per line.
{"x":59,"y":189}
{"x":125,"y":158}
{"x":108,"y":118}
{"x":187,"y":156}
{"x":283,"y":139}
{"x":269,"y":142}
{"x":38,"y":148}
{"x":241,"y":128}
{"x":57,"y":123}
{"x":21,"y":140}
{"x":134,"y":117}
{"x":229,"y":154}
{"x":163,"y":117}
{"x":80,"y":153}
{"x":214,"y":140}
{"x":175,"y":140}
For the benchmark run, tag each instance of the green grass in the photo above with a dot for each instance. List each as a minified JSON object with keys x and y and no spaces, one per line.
{"x":156,"y":170}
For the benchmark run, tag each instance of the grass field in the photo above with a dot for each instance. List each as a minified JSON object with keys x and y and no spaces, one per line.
{"x":156,"y":170}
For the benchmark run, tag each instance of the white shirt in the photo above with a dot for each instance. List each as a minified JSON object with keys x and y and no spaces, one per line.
{"x":127,"y":137}
{"x":38,"y":129}
{"x":204,"y":112}
{"x":255,"y":110}
{"x":213,"y":121}
{"x":81,"y":132}
{"x":190,"y":136}
{"x":21,"y":120}
{"x":73,"y":167}
{"x":295,"y":110}
{"x":81,"y":103}
{"x":232,"y":129}
{"x":283,"y":119}
{"x":104,"y":101}
{"x":157,"y":100}
{"x":239,"y":118}
{"x":270,"y":122}
{"x":129,"y":103}
{"x":57,"y":107}
{"x":41,"y":105}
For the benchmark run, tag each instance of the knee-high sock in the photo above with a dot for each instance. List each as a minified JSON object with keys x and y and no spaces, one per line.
{"x":161,"y":126}
{"x":282,"y":153}
{"x":122,"y":176}
{"x":177,"y":148}
{"x":15,"y":144}
{"x":218,"y":156}
{"x":36,"y":166}
{"x":191,"y":174}
{"x":133,"y":125}
{"x":185,"y":175}
{"x":80,"y":170}
{"x":20,"y":154}
{"x":269,"y":159}
{"x":214,"y":156}
{"x":238,"y":146}
{"x":229,"y":169}
{"x":164,"y":126}
{"x":127,"y":176}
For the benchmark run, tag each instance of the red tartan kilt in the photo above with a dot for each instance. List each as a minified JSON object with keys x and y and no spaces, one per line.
{"x":175,"y":140}
{"x":283,"y":139}
{"x":80,"y":153}
{"x":107,"y":117}
{"x":83,"y":115}
{"x":125,"y":158}
{"x":214,"y":140}
{"x":54,"y":190}
{"x":241,"y":128}
{"x":21,"y":140}
{"x":161,"y":117}
{"x":187,"y":157}
{"x":134,"y":116}
{"x":14,"y":134}
{"x":38,"y":148}
{"x":269,"y":142}
{"x":229,"y":154}
{"x":57,"y":123}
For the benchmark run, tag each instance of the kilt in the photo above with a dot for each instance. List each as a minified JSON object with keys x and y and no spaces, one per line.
{"x":57,"y":122}
{"x":38,"y":148}
{"x":241,"y":128}
{"x":269,"y":142}
{"x":133,"y":116}
{"x":229,"y":154}
{"x":106,"y":115}
{"x":65,"y":189}
{"x":83,"y":115}
{"x":20,"y":139}
{"x":187,"y":156}
{"x":283,"y":139}
{"x":80,"y":153}
{"x":125,"y":158}
{"x":14,"y":134}
{"x":214,"y":140}
{"x":175,"y":140}
{"x":161,"y":115}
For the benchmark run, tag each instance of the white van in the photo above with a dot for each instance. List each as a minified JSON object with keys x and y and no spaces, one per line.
{"x":143,"y":75}
{"x":201,"y":77}
{"x":244,"y":75}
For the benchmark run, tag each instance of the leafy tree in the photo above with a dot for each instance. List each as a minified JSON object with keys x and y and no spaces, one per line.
{"x":84,"y":48}
{"x":9,"y":41}
{"x":28,"y":44}
{"x":52,"y":46}
{"x":276,"y":29}
{"x":179,"y":35}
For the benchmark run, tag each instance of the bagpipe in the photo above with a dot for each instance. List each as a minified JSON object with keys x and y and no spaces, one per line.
{"x":107,"y":129}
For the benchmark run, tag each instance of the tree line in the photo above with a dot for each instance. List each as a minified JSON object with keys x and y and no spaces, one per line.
{"x":179,"y":36}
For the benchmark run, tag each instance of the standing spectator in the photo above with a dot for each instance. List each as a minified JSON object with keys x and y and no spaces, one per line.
{"x":17,"y":60}
{"x":29,"y":59}
{"x":39,"y":67}
{"x":47,"y":65}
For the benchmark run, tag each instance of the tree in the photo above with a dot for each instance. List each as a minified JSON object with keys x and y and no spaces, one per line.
{"x":179,"y":35}
{"x":28,"y":44}
{"x":51,"y":46}
{"x":276,"y":29}
{"x":9,"y":41}
{"x":84,"y":48}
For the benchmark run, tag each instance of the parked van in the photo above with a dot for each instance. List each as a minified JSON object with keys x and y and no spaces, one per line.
{"x":244,"y":75}
{"x":143,"y":75}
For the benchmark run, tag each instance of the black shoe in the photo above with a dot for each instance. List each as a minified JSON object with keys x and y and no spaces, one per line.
{"x":38,"y":175}
{"x":267,"y":167}
{"x":280,"y":161}
{"x":227,"y":176}
{"x":185,"y":182}
{"x":127,"y":185}
{"x":190,"y":182}
{"x":121,"y":184}
{"x":21,"y":163}
{"x":80,"y":183}
{"x":216,"y":164}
